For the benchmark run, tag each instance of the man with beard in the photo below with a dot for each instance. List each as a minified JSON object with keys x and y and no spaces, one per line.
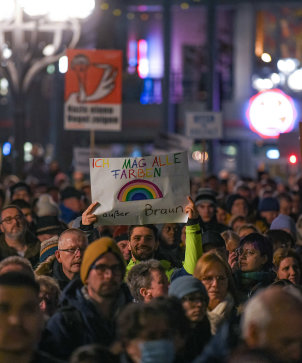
{"x":16,"y":239}
{"x":90,"y":305}
{"x":64,"y":266}
{"x":143,"y":243}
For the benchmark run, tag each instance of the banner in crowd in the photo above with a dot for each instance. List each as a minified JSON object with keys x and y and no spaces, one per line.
{"x":93,"y":90}
{"x":144,"y":190}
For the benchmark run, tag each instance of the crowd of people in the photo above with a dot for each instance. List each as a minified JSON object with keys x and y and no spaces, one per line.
{"x":223,"y":287}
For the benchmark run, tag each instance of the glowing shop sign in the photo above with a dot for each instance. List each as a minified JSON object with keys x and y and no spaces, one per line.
{"x":271,"y":113}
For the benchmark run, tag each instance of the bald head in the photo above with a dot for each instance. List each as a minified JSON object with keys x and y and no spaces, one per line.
{"x":280,"y":299}
{"x":272,"y":319}
{"x":72,"y":234}
{"x":71,"y":246}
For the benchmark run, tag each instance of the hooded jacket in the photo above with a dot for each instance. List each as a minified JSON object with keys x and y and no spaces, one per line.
{"x":51,"y":267}
{"x":78,"y":322}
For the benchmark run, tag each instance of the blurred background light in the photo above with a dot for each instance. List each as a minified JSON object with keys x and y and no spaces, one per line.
{"x":266,"y":57}
{"x":200,"y":156}
{"x":261,"y":84}
{"x":275,"y":78}
{"x":6,"y":149}
{"x":293,"y":159}
{"x":63,"y":64}
{"x":7,"y":10}
{"x":273,"y":154}
{"x":287,"y":65}
{"x":295,"y":80}
{"x":270,"y":113}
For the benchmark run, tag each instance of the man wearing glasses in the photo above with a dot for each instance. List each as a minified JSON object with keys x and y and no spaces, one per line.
{"x":64,"y":266}
{"x":16,"y":239}
{"x":90,"y":305}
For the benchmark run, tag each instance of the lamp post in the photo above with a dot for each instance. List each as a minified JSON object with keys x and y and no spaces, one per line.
{"x":33,"y":34}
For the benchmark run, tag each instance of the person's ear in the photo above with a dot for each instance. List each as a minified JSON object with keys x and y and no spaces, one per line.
{"x":58,"y":256}
{"x":146,"y":294}
{"x":252,"y":338}
{"x":129,"y":246}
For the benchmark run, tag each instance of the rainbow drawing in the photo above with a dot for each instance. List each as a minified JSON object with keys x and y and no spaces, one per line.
{"x":139,"y":189}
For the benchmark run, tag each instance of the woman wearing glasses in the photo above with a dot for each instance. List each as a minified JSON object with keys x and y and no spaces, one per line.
{"x":255,"y":261}
{"x":215,"y":273}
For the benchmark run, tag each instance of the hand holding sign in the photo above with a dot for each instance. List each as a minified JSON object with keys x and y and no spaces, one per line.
{"x":143,"y":190}
{"x":191,"y":209}
{"x":88,"y":217}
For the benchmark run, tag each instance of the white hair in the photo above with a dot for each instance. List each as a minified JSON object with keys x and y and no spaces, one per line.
{"x":74,"y":231}
{"x":259,"y":310}
{"x":255,"y":312}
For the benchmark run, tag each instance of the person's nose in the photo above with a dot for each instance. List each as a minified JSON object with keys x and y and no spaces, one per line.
{"x":292,"y":272}
{"x":14,"y":318}
{"x":108,"y":273}
{"x":79,"y":252}
{"x":242,"y":256}
{"x":214,"y":281}
{"x":198,"y":303}
{"x":43,"y":305}
{"x":15,"y":221}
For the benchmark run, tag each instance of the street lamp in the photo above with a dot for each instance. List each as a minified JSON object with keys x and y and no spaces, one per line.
{"x":33,"y":34}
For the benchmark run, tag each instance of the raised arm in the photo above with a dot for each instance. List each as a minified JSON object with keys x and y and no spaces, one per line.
{"x":88,"y":219}
{"x":193,"y":238}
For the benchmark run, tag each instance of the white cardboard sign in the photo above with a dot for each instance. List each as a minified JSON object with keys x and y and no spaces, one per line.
{"x":145,"y":190}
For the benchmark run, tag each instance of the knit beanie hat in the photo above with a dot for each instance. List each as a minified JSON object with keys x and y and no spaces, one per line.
{"x":19,"y":186}
{"x":94,"y":251}
{"x":48,"y":248}
{"x":46,"y":206}
{"x":70,"y":192}
{"x":49,"y":224}
{"x":284,"y":222}
{"x":231,"y":200}
{"x":205,"y":195}
{"x":120,"y":233}
{"x":268,"y":204}
{"x":185,"y":285}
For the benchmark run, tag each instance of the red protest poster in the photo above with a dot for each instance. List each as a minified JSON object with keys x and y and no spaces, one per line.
{"x":93,"y":90}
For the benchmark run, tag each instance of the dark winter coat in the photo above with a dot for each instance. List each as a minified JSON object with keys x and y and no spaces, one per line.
{"x":51,"y":267}
{"x":78,"y":322}
{"x":33,"y":248}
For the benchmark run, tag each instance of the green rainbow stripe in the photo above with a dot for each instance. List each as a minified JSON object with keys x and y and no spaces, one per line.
{"x":139,"y":189}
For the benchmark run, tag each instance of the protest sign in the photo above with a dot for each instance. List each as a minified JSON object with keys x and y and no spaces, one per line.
{"x":144,"y":190}
{"x":93,"y":90}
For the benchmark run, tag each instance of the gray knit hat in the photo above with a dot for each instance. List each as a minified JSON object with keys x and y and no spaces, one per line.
{"x":205,"y":195}
{"x":284,"y":222}
{"x":46,"y":206}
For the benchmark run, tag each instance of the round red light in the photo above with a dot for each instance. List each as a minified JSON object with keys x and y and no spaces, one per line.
{"x":292,"y":159}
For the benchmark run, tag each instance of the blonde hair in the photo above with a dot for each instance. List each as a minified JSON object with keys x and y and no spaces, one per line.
{"x":230,"y":236}
{"x":246,"y":227}
{"x":209,"y":259}
{"x":282,"y":253}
